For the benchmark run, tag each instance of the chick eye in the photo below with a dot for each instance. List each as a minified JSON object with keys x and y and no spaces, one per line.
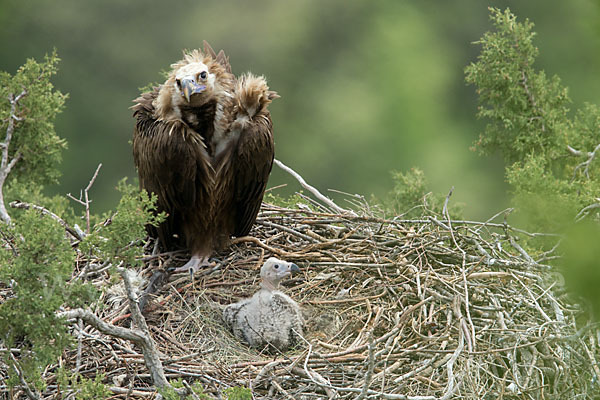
{"x":276,"y":266}
{"x":203,"y":74}
{"x":178,"y":83}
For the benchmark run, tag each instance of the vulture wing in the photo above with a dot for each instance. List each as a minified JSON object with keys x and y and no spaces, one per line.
{"x":252,"y":165}
{"x":172,"y":162}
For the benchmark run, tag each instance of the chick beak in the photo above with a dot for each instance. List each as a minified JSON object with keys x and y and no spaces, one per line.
{"x":294,"y":268}
{"x":189,"y":86}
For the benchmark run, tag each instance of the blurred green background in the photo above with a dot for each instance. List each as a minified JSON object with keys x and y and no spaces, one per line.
{"x":367,"y":86}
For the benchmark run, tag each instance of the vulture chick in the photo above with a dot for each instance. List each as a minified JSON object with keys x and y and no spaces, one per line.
{"x":270,"y":317}
{"x":203,"y":143}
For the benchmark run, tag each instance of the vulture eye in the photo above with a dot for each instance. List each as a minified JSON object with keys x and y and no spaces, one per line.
{"x":203,"y":74}
{"x":178,"y":83}
{"x":276,"y":266}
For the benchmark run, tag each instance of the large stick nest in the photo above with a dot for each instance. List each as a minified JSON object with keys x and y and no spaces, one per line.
{"x":395,"y":309}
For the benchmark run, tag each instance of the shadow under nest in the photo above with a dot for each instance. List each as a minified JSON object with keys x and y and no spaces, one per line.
{"x":396,"y":309}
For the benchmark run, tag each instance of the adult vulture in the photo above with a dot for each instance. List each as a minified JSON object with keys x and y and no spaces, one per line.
{"x":203,"y":143}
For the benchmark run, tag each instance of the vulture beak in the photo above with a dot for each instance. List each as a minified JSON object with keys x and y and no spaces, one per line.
{"x":294,"y":268}
{"x":189,"y":86}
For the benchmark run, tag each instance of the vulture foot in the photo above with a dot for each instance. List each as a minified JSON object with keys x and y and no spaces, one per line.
{"x":194,"y":265}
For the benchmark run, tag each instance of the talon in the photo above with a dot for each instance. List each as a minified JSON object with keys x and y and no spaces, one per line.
{"x":193,"y":265}
{"x":215,"y":261}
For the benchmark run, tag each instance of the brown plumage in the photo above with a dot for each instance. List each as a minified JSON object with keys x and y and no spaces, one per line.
{"x":203,"y":142}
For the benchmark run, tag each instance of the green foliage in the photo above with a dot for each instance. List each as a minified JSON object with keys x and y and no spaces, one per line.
{"x":411,"y":197}
{"x":117,"y":239}
{"x":291,"y":201}
{"x":34,"y":193}
{"x":581,"y":272}
{"x":170,"y":394}
{"x":238,"y":393}
{"x":232,"y":393}
{"x":34,"y":137}
{"x":84,"y":388}
{"x":529,"y":124}
{"x":527,"y":112}
{"x":410,"y":190}
{"x":36,"y":261}
{"x":552,"y":168}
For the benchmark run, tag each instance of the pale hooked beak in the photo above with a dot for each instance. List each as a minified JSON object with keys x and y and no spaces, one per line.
{"x":189,"y":86}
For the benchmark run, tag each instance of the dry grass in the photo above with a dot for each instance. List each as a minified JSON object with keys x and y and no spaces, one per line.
{"x":395,"y":309}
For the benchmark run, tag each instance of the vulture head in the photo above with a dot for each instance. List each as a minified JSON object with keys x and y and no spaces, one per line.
{"x":192,"y":82}
{"x":274,"y":270}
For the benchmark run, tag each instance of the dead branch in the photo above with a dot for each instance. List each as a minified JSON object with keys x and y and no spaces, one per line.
{"x":27,"y":206}
{"x":84,"y":198}
{"x":591,"y":155}
{"x":19,"y":371}
{"x":312,"y":189}
{"x":7,"y":164}
{"x":140,"y":336}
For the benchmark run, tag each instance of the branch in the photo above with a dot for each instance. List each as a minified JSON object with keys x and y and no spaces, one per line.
{"x":5,"y":165}
{"x":313,"y":190}
{"x":585,"y":211}
{"x":140,"y":336}
{"x":11,"y":126}
{"x":86,"y":202}
{"x":19,"y":371}
{"x":149,"y":350}
{"x":133,"y":335}
{"x":12,"y":163}
{"x":530,"y":97}
{"x":27,"y":206}
{"x":370,"y":368}
{"x":586,"y":164}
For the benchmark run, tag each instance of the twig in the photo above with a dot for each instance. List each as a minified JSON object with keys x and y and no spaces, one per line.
{"x":586,"y":164}
{"x":312,"y":189}
{"x":281,"y":390}
{"x":585,"y":211}
{"x":371,"y":366}
{"x":17,"y":367}
{"x":27,"y":206}
{"x":190,"y":391}
{"x":79,"y":344}
{"x":445,"y":208}
{"x":86,"y":199}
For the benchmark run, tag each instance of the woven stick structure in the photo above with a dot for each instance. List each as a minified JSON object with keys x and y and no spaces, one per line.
{"x":421,"y":309}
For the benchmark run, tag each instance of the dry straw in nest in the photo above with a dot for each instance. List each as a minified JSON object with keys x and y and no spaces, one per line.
{"x":395,"y":309}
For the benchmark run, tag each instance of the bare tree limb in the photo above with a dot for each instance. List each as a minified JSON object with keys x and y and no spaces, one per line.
{"x":586,"y":164}
{"x":313,"y":190}
{"x":86,"y":199}
{"x":134,"y":335}
{"x":27,"y":206}
{"x":140,"y":336}
{"x":585,"y":211}
{"x":5,"y":165}
{"x":30,"y":393}
{"x":149,"y":350}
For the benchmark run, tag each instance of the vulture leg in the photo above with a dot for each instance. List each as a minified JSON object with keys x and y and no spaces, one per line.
{"x":194,"y":264}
